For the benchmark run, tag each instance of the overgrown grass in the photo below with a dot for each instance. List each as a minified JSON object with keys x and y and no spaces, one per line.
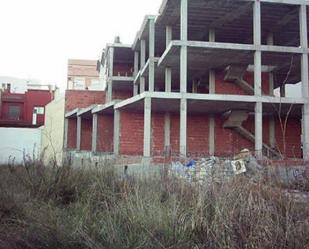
{"x":64,"y":208}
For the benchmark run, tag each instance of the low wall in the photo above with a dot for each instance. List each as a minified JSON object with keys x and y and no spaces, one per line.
{"x":18,"y":144}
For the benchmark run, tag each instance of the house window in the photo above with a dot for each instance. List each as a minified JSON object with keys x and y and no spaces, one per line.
{"x":14,"y":112}
{"x":38,"y":110}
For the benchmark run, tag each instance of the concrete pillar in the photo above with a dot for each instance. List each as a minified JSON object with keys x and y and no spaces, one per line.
{"x":147,"y":127}
{"x":183,"y":69}
{"x":258,"y":79}
{"x":271,"y":84}
{"x":168,"y":79}
{"x":78,"y":133}
{"x":212,"y":75}
{"x":272,"y":136}
{"x":184,"y":49}
{"x":94,"y":132}
{"x":167,"y":132}
{"x":183,"y":127}
{"x":142,"y":85}
{"x":259,"y":130}
{"x":212,"y":35}
{"x":111,"y":62}
{"x":110,"y":74}
{"x":109,"y":90}
{"x":211,"y":138}
{"x":258,"y":73}
{"x":136,"y":62}
{"x":183,"y":76}
{"x":257,"y":23}
{"x":116,"y":132}
{"x":167,"y":117}
{"x":143,"y":53}
{"x":304,"y":79}
{"x":151,"y":74}
{"x":212,"y":90}
{"x":65,"y":137}
{"x":169,"y":35}
{"x":135,"y":89}
{"x":270,"y":41}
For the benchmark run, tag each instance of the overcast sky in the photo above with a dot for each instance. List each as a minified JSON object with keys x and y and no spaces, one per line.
{"x":39,"y":36}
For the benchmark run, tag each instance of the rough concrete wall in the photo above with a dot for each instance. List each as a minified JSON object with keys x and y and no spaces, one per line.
{"x":19,"y":142}
{"x":198,"y":135}
{"x":72,"y":127}
{"x":105,"y":136}
{"x":86,"y":135}
{"x":53,"y":132}
{"x":131,"y":133}
{"x":157,"y":134}
{"x":82,"y":99}
{"x":292,"y":136}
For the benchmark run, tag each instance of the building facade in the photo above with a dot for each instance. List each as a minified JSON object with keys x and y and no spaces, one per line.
{"x":83,"y":75}
{"x":199,"y":80}
{"x":23,"y":109}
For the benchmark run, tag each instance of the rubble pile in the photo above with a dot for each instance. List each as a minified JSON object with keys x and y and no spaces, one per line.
{"x":214,"y":169}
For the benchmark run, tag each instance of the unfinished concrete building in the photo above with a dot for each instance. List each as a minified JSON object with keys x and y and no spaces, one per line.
{"x":199,"y":80}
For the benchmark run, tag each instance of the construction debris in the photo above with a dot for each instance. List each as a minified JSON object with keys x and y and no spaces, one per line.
{"x":214,"y":169}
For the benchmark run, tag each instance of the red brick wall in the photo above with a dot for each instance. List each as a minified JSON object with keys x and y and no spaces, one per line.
{"x":175,"y":132}
{"x":227,"y":87}
{"x":131,"y":133}
{"x":105,"y":136}
{"x":293,"y":137}
{"x":72,"y":129}
{"x":82,"y":99}
{"x":198,"y":134}
{"x":86,"y":134}
{"x":157,"y":133}
{"x":227,"y":141}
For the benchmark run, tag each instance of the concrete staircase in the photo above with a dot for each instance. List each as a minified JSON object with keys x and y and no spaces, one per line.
{"x":234,"y":121}
{"x":235,"y":74}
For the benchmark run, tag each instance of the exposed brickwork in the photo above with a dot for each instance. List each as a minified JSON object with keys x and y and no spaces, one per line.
{"x":72,"y":129}
{"x":175,"y":133}
{"x":227,"y":87}
{"x":86,"y":135}
{"x":198,"y":135}
{"x":223,"y":139}
{"x":292,"y":137}
{"x":131,"y":133}
{"x":105,"y":136}
{"x":82,"y":99}
{"x":157,"y":133}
